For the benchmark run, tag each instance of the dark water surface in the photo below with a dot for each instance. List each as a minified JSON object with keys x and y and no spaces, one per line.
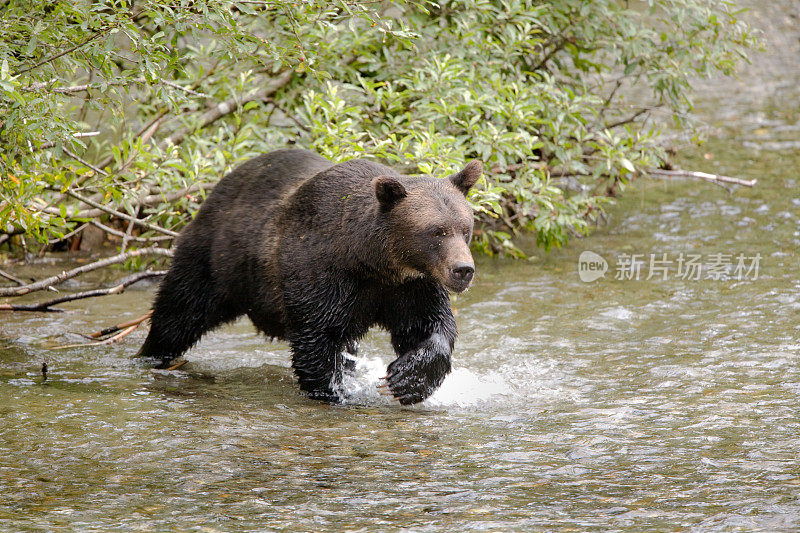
{"x":619,"y":404}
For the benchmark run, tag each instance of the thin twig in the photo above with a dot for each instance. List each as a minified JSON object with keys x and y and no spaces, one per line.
{"x":182,"y":88}
{"x":127,"y":236}
{"x":68,"y":274}
{"x":68,"y":235}
{"x":129,"y":231}
{"x":608,"y":99}
{"x":513,"y":167}
{"x":118,"y":288}
{"x":113,"y":329}
{"x":153,"y":199}
{"x":77,"y":135}
{"x":89,"y":39}
{"x":150,"y":128}
{"x":83,"y":161}
{"x":716,"y":178}
{"x":109,"y":340}
{"x":12,"y":277}
{"x":81,"y":88}
{"x":118,"y":233}
{"x":148,"y":201}
{"x":229,"y":106}
{"x":628,"y":120}
{"x":558,"y":45}
{"x":288,"y":115}
{"x":121,"y":214}
{"x":177,"y":365}
{"x":147,"y":130}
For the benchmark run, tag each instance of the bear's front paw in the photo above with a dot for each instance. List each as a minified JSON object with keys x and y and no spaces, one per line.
{"x":414,"y":376}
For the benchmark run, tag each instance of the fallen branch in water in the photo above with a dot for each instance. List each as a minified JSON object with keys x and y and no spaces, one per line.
{"x":120,"y":331}
{"x":714,"y":178}
{"x":177,"y":365}
{"x":113,"y":329}
{"x":119,"y":336}
{"x":60,"y":278}
{"x":118,"y":288}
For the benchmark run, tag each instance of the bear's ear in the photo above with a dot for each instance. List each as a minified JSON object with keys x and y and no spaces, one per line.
{"x":465,"y":179}
{"x":388,"y":191}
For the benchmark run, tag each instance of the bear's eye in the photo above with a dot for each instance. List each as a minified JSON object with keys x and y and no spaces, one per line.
{"x":439,"y":232}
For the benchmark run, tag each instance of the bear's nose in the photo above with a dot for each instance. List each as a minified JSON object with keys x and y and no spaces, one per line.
{"x":462,"y":272}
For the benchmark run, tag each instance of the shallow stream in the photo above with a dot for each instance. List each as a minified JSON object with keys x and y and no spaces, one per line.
{"x":614,"y":404}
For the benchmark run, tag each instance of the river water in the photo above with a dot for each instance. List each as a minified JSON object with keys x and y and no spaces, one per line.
{"x":614,"y":404}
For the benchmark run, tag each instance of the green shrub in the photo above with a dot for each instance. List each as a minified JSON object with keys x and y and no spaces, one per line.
{"x":563,"y":101}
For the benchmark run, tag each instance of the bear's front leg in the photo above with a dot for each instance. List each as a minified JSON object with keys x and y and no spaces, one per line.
{"x":423,"y":334}
{"x":349,"y":355}
{"x":321,"y":325}
{"x":318,"y":364}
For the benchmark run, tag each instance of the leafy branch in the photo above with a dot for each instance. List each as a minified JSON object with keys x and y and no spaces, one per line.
{"x":122,"y":121}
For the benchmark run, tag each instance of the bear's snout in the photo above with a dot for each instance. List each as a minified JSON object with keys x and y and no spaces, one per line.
{"x":461,"y":275}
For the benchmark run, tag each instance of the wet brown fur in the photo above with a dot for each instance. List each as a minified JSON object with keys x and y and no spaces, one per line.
{"x":316,"y":253}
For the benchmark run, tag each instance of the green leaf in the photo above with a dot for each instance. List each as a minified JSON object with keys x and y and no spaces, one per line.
{"x":626,"y":164}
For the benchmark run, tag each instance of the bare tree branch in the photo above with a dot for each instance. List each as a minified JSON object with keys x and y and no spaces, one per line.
{"x":68,"y":235}
{"x":229,"y":106}
{"x":146,"y":132}
{"x":558,"y":45}
{"x":715,"y":178}
{"x":119,"y":336}
{"x":120,"y":214}
{"x":68,"y":274}
{"x":148,"y":201}
{"x":76,"y":158}
{"x":6,"y":235}
{"x":77,"y":135}
{"x":12,"y":277}
{"x":154,"y":199}
{"x":86,"y":41}
{"x":182,"y":88}
{"x":628,"y":120}
{"x":118,"y":233}
{"x":72,"y":89}
{"x":113,"y":329}
{"x":287,"y":114}
{"x":119,"y":287}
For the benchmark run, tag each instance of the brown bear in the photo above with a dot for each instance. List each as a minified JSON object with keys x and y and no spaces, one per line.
{"x":317,"y":253}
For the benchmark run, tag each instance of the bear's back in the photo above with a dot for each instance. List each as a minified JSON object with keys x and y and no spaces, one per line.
{"x":270,"y":177}
{"x":246,"y":198}
{"x":237,"y":219}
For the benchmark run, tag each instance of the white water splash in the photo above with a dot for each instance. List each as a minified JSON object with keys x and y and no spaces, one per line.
{"x":524,"y":380}
{"x":461,"y":388}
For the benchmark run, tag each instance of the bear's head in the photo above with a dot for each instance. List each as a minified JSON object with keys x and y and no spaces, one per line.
{"x":430,"y":224}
